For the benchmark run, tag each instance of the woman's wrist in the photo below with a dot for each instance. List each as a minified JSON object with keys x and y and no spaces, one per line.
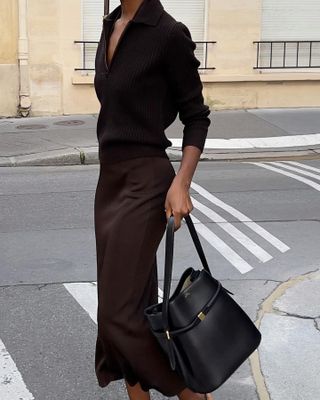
{"x":183,"y":179}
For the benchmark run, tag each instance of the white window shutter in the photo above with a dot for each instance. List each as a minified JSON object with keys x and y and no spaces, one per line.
{"x":290,"y":20}
{"x":190,"y":12}
{"x":92,"y":12}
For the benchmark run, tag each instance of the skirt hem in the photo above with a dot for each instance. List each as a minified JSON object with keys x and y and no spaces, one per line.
{"x":103,"y":382}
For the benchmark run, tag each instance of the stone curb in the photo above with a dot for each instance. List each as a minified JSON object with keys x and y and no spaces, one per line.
{"x":89,"y":155}
{"x":268,"y":306}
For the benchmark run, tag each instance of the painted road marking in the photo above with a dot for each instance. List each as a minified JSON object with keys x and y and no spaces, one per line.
{"x":295,"y":169}
{"x":12,"y":386}
{"x":248,"y":243}
{"x":226,"y":251}
{"x":305,"y":166}
{"x":86,"y":294}
{"x":277,"y":243}
{"x":308,"y":182}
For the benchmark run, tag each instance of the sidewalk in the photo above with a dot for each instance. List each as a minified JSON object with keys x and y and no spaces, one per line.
{"x":233,"y":135}
{"x":289,"y":320}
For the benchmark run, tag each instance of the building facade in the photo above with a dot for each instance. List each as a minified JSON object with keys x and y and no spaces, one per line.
{"x":253,"y":53}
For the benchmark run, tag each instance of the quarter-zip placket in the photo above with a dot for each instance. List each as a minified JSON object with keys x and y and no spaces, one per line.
{"x":108,"y":68}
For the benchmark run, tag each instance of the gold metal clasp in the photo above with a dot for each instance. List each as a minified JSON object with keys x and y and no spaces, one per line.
{"x":201,"y":315}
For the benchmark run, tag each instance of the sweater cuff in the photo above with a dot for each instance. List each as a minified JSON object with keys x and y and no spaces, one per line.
{"x":195,"y":135}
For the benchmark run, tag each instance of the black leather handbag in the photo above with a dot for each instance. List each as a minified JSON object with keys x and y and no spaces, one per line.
{"x":203,"y":331}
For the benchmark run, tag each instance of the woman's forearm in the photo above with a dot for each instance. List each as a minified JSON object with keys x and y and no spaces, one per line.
{"x":188,"y":165}
{"x":178,"y":201}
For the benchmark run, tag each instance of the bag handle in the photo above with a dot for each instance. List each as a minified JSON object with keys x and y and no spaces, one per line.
{"x":167,"y":284}
{"x":169,"y":259}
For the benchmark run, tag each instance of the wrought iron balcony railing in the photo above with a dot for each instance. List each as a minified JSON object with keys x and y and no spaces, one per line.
{"x":287,"y":54}
{"x":89,"y":50}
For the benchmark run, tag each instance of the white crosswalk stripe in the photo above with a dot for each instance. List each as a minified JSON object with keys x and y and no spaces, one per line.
{"x":295,"y":169}
{"x":243,"y":239}
{"x":12,"y":386}
{"x":277,"y":243}
{"x":307,"y":181}
{"x":304,"y":166}
{"x":86,"y":294}
{"x":225,"y":250}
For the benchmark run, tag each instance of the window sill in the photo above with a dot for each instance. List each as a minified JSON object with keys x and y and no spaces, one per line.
{"x":262,"y":76}
{"x":259,"y":76}
{"x":85,"y":79}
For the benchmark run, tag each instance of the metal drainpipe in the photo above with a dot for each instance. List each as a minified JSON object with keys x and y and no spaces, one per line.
{"x":24,"y":105}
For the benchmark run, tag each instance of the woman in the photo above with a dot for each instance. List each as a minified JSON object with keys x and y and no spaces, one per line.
{"x":145,"y":73}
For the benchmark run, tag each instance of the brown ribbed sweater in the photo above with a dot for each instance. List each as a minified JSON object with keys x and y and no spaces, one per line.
{"x":152,"y":77}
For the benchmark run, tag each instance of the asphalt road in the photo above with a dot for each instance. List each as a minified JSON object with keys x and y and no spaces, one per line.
{"x":258,"y":223}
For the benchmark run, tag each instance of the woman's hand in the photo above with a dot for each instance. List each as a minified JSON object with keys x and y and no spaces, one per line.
{"x":178,"y":201}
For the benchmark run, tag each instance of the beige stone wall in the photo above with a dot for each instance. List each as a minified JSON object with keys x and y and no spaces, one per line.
{"x":8,"y":58}
{"x":79,"y":95}
{"x":270,"y":94}
{"x":235,"y":83}
{"x":45,"y":61}
{"x":55,"y":88}
{"x":53,"y":27}
{"x":8,"y":32}
{"x":234,"y":25}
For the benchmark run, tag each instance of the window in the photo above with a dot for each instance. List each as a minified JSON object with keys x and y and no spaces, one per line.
{"x":292,"y":28}
{"x":92,"y":13}
{"x":190,"y":12}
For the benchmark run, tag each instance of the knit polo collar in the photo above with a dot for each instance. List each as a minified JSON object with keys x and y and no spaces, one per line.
{"x":148,"y":13}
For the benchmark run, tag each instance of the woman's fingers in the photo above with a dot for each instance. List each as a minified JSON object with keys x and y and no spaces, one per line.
{"x":177,"y":220}
{"x":176,"y":216}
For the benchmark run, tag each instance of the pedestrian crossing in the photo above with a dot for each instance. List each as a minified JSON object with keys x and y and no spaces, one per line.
{"x":249,"y":242}
{"x":294,"y":170}
{"x":236,"y":233}
{"x":220,"y":245}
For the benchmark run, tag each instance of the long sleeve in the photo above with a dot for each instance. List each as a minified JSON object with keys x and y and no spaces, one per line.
{"x":181,"y":68}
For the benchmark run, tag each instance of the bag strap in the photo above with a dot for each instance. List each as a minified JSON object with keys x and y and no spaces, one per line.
{"x":169,"y":259}
{"x":197,"y":242}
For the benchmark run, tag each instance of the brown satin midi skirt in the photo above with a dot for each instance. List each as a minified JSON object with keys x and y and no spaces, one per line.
{"x":130,"y":222}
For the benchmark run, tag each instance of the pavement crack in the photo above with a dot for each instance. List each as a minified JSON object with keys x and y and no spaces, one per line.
{"x":288,"y":314}
{"x":42,"y":285}
{"x":271,"y":280}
